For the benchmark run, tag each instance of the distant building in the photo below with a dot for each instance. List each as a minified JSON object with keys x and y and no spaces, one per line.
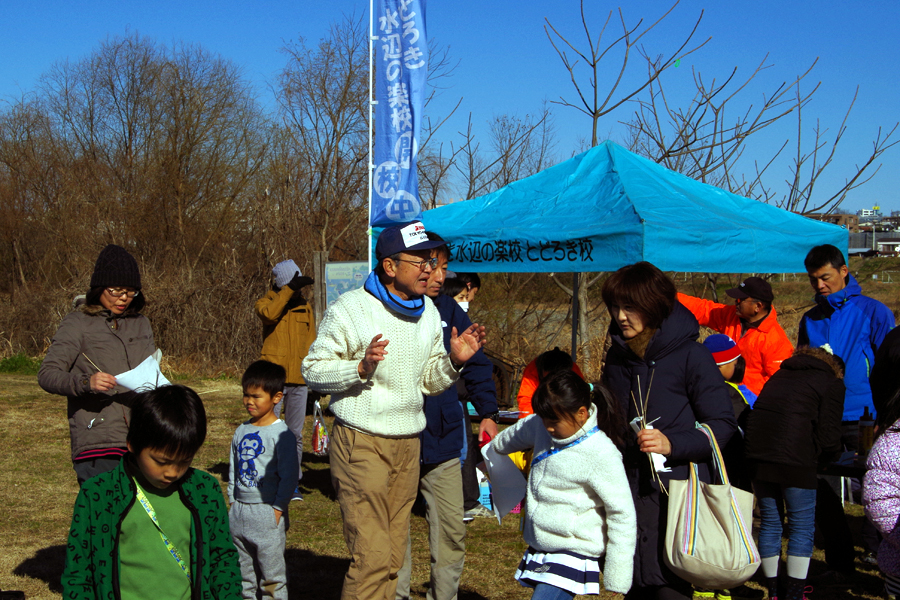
{"x":893,"y":221}
{"x":888,"y":245}
{"x":869,"y":214}
{"x":845,"y":220}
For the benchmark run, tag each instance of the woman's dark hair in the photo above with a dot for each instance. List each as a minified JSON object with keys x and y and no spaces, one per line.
{"x":643,"y":288}
{"x":452,"y":286}
{"x":561,"y":395}
{"x":472,"y":279}
{"x":170,"y":418}
{"x":740,"y":366}
{"x":264,"y":375}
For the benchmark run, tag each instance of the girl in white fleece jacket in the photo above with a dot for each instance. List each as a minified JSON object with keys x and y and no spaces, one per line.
{"x":579,"y":516}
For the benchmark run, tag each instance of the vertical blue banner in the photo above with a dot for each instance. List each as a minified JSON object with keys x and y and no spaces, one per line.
{"x":401,"y":69}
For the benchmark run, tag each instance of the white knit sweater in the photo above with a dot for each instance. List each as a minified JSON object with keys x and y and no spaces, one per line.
{"x":578,"y":499}
{"x":389,"y":403}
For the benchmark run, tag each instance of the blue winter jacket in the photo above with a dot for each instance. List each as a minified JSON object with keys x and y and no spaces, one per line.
{"x":445,"y":419}
{"x":854,"y":326}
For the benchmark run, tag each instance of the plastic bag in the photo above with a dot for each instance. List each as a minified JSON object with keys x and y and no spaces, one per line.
{"x":320,"y":439}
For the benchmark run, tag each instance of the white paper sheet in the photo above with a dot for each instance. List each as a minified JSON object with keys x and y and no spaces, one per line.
{"x":507,"y":481}
{"x":145,"y":376}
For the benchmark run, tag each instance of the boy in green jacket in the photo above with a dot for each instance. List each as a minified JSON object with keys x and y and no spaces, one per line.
{"x":153,"y":527}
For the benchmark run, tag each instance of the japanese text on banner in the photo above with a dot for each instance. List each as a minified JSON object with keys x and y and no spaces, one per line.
{"x":400,"y":77}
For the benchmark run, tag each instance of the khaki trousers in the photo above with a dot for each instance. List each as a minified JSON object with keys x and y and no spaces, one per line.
{"x":441,"y":486}
{"x":376,"y":480}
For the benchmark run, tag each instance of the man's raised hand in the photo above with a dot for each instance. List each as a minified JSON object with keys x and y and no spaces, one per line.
{"x":465,"y":345}
{"x":375,"y":353}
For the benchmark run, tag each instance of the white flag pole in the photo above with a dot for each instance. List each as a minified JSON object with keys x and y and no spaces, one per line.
{"x":371,"y":133}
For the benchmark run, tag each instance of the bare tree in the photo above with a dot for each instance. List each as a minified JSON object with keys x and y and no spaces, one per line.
{"x":323,"y":97}
{"x":210,"y":148}
{"x":809,"y":164}
{"x":704,"y":140}
{"x":596,"y":99}
{"x":518,"y":147}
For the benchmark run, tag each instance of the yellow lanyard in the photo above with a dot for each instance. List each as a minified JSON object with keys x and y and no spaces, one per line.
{"x":142,"y":498}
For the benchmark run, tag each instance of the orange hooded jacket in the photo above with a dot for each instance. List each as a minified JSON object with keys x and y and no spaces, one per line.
{"x":763,"y":347}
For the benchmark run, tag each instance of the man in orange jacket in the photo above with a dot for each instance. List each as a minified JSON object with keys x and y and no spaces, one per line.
{"x":752,"y":322}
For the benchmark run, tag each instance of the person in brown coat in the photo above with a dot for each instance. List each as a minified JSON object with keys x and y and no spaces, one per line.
{"x":289,"y":328}
{"x":105,"y":336}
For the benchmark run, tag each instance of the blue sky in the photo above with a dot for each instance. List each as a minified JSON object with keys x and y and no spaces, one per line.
{"x":507,"y":65}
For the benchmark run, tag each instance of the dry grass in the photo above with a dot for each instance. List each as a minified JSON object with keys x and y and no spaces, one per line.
{"x":38,"y":488}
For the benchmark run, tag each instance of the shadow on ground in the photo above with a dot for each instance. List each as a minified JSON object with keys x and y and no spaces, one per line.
{"x":311,"y":576}
{"x":318,"y":479}
{"x":46,"y":565}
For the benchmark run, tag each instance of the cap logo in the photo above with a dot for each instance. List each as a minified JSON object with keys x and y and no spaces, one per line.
{"x":413,"y":234}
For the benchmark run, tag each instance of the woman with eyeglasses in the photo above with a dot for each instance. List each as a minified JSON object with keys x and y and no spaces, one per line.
{"x":106,"y":336}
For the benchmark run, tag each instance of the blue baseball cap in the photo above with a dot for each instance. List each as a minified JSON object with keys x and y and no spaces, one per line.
{"x":404,"y":238}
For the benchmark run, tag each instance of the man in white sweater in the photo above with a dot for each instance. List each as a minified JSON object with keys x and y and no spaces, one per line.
{"x":376,"y":395}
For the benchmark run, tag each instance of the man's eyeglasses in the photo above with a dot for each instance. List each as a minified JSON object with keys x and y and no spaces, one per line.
{"x":431,"y":262}
{"x":119,"y":292}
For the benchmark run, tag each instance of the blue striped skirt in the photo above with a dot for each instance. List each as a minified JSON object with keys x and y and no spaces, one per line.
{"x":572,"y":572}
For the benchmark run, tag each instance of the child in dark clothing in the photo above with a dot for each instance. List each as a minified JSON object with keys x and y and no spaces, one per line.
{"x":795,"y":424}
{"x":153,"y":523}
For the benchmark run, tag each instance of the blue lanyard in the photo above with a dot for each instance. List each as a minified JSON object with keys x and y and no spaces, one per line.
{"x":552,"y":451}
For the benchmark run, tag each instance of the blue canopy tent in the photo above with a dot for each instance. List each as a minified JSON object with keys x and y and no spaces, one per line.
{"x":608,"y":207}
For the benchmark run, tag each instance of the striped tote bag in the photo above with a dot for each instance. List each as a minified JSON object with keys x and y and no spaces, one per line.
{"x":708,"y":534}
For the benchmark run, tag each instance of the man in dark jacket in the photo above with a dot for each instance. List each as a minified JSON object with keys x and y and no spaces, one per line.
{"x":440,"y":479}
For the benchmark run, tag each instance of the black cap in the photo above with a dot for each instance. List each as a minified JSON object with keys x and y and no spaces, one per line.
{"x":115,"y":267}
{"x":753,"y":287}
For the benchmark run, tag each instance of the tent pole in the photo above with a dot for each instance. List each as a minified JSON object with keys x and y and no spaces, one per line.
{"x":575,"y":312}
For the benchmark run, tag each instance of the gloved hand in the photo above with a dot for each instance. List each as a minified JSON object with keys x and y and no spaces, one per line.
{"x":299,"y":281}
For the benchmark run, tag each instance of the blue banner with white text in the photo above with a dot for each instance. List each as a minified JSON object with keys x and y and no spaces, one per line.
{"x":401,"y":68}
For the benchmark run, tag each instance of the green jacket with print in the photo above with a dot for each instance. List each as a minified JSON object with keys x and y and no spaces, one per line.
{"x":92,"y":561}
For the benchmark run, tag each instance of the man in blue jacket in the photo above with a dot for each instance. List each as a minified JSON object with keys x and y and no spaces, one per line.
{"x":853,"y":326}
{"x":440,"y":479}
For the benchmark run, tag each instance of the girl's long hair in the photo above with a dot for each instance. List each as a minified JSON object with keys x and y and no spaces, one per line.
{"x":562,"y":393}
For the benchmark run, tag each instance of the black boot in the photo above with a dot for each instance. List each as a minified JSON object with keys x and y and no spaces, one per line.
{"x":772,"y":587}
{"x":795,"y":588}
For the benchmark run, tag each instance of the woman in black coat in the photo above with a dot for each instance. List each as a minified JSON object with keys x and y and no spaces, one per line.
{"x":655,"y":362}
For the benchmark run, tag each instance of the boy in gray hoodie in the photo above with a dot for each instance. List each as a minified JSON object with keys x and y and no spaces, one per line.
{"x":263,"y":474}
